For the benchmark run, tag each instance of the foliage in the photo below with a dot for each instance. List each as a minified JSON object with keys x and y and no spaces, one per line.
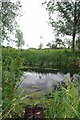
{"x":10,"y":76}
{"x":10,"y":11}
{"x":0,"y":82}
{"x":63,"y":103}
{"x":57,"y":44}
{"x":19,"y":36}
{"x":46,"y":58}
{"x":40,"y":46}
{"x":78,"y":43}
{"x":58,"y":103}
{"x":50,"y":58}
{"x":49,"y":45}
{"x":68,"y":18}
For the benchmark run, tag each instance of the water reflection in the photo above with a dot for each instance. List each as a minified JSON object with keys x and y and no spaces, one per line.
{"x":34,"y":81}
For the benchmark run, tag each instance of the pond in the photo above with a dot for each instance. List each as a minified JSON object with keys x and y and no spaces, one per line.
{"x":37,"y":81}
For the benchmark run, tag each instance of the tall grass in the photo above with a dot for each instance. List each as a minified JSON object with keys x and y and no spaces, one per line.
{"x":0,"y":82}
{"x":60,"y":104}
{"x":11,"y":74}
{"x":63,"y":103}
{"x":51,"y":58}
{"x":48,"y":58}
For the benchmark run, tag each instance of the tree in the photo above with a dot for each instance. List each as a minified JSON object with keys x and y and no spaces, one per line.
{"x":68,"y":43}
{"x":9,"y":12}
{"x":49,"y":45}
{"x":68,"y":20}
{"x":19,"y":36}
{"x":40,"y":46}
{"x":59,"y":43}
{"x":78,"y":42}
{"x":52,"y":45}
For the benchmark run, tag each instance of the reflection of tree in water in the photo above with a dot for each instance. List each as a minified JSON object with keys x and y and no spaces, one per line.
{"x":40,"y":76}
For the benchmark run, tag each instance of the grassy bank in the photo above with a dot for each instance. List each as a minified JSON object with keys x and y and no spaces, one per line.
{"x":13,"y":60}
{"x":51,"y":58}
{"x":62,"y":103}
{"x":47,"y":58}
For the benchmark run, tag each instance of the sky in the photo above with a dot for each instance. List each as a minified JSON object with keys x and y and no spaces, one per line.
{"x":34,"y":24}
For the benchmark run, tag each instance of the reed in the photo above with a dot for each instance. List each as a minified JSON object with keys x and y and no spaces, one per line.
{"x":60,"y":104}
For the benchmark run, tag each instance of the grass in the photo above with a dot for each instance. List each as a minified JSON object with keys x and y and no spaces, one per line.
{"x":64,"y":103}
{"x":47,"y":58}
{"x":59,"y":104}
{"x":50,"y":58}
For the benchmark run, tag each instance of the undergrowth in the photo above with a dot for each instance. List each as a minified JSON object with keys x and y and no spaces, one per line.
{"x":59,"y":104}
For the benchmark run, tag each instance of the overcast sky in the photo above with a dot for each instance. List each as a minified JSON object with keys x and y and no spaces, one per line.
{"x":34,"y":24}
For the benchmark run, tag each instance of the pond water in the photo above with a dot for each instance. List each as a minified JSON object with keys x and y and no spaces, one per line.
{"x":34,"y":81}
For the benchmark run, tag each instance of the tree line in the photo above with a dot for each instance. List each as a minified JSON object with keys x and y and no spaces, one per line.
{"x":67,"y":22}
